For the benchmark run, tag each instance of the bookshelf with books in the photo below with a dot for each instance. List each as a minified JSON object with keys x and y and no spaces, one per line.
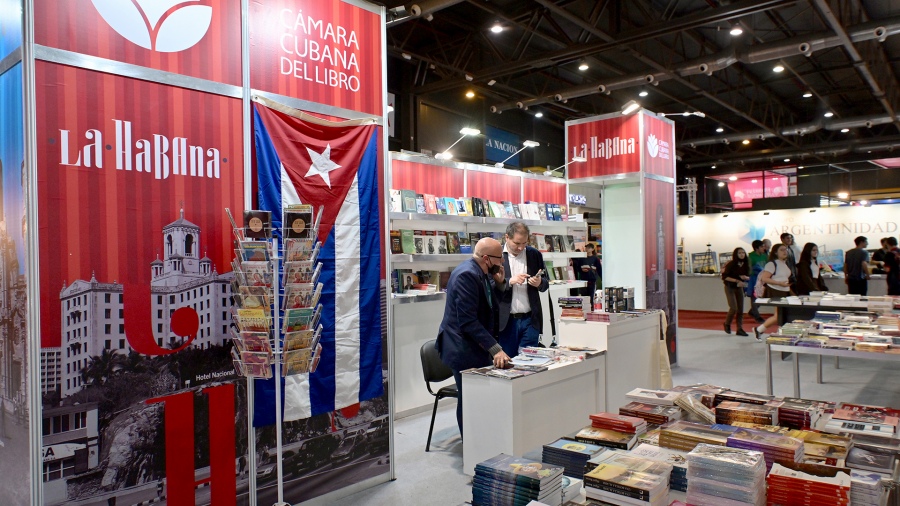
{"x":500,"y":197}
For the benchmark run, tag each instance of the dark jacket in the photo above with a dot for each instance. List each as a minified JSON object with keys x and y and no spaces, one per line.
{"x":534,"y":262}
{"x":735,"y":269}
{"x":469,"y":327}
{"x":806,"y":283}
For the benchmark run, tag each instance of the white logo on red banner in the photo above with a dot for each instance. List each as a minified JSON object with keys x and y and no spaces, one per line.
{"x":164,"y":26}
{"x":652,"y":146}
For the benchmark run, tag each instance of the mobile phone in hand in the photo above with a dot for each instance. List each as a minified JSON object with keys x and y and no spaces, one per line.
{"x":538,"y":274}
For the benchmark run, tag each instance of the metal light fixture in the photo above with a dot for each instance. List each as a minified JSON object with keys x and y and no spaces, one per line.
{"x":720,"y":130}
{"x":808,"y":94}
{"x":583,"y":66}
{"x":643,"y":93}
{"x":576,"y":159}
{"x":736,"y":30}
{"x":446,"y":155}
{"x":787,"y":159}
{"x":470,"y":94}
{"x":845,"y":130}
{"x":829,"y":114}
{"x":745,"y":142}
{"x":778,"y":68}
{"x":526,"y":144}
{"x":497,"y":28}
{"x":630,"y":107}
{"x":721,"y":184}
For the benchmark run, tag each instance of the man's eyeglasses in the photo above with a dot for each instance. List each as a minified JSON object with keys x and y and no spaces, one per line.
{"x":494,"y":256}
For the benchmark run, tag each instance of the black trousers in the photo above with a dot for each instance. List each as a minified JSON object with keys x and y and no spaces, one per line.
{"x":857,"y":286}
{"x":458,"y":378}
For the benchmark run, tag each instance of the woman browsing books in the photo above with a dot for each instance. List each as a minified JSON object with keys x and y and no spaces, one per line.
{"x":735,"y":275}
{"x":809,"y":273}
{"x":776,"y":276}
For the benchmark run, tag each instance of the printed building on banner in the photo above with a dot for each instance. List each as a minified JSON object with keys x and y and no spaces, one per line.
{"x":70,"y":446}
{"x":93,"y":312}
{"x":12,"y":330}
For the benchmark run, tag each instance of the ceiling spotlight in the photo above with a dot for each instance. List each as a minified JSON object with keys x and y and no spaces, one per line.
{"x":829,"y":114}
{"x":721,"y":184}
{"x":497,"y":28}
{"x":538,"y":114}
{"x":787,"y":159}
{"x":745,"y":142}
{"x":630,"y":107}
{"x":470,"y":94}
{"x":752,"y":180}
{"x":406,"y":56}
{"x":712,"y":167}
{"x":778,"y":68}
{"x":801,"y":167}
{"x":470,"y":77}
{"x":808,"y":94}
{"x":643,"y":93}
{"x":720,"y":130}
{"x":843,"y":195}
{"x":736,"y":30}
{"x":732,"y":178}
{"x":845,"y":130}
{"x":583,"y":66}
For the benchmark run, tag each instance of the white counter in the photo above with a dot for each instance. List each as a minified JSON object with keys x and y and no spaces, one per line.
{"x":516,"y":416}
{"x":632,"y":350}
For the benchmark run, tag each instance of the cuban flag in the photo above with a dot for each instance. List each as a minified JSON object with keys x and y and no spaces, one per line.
{"x":302,"y":159}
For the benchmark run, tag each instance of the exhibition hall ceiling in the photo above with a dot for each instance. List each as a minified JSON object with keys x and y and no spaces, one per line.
{"x":811,"y":81}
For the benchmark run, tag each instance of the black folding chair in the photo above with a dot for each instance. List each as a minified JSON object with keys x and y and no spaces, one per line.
{"x":435,"y":371}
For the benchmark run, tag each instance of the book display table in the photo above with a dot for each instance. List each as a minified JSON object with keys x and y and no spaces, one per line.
{"x":515,"y":416}
{"x":819,"y":352}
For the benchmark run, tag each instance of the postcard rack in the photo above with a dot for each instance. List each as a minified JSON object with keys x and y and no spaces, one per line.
{"x":276,"y":313}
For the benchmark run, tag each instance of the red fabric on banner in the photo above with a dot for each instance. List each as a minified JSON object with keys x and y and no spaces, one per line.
{"x":425,"y":178}
{"x":536,"y":190}
{"x":494,"y":187}
{"x":79,"y":27}
{"x":106,"y":222}
{"x":611,"y":146}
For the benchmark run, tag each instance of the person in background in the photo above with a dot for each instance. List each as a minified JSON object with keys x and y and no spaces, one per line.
{"x":809,"y":277}
{"x":777,"y":277}
{"x":793,"y":252}
{"x":892,"y":266}
{"x":590,"y":270}
{"x":757,"y":260}
{"x":735,"y":275}
{"x":467,"y":336}
{"x":878,"y":257}
{"x":856,"y":267}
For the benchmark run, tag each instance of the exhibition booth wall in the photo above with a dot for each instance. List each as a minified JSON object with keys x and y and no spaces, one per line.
{"x":133,"y":131}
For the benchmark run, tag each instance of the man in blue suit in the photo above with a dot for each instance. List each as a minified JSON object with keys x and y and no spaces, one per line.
{"x":521,"y":317}
{"x":467,"y":335}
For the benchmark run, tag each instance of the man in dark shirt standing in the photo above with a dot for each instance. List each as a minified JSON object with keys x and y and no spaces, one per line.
{"x":892,"y":266}
{"x":590,"y":270}
{"x":856,"y":267}
{"x":467,"y":336}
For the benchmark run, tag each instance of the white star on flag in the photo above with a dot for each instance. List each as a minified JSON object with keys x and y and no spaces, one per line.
{"x":321,"y":164}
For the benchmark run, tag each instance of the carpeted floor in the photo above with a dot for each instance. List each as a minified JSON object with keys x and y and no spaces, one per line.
{"x":709,"y":320}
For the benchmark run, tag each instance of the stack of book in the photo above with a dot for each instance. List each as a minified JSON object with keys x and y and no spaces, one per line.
{"x":619,"y":423}
{"x":675,"y":458}
{"x":652,"y":414}
{"x":865,"y":459}
{"x":534,"y":363}
{"x":658,"y":397}
{"x":824,"y":449}
{"x":866,"y":488}
{"x":719,"y":476}
{"x":704,"y":393}
{"x":620,"y":484}
{"x":872,"y":347}
{"x":606,"y":438}
{"x":775,"y":447}
{"x":510,"y":480}
{"x":685,"y":436}
{"x":871,"y":423}
{"x":747,"y":398}
{"x":788,"y":486}
{"x":571,"y":455}
{"x":797,"y":413}
{"x":571,"y":308}
{"x":728,"y":412}
{"x":631,"y":461}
